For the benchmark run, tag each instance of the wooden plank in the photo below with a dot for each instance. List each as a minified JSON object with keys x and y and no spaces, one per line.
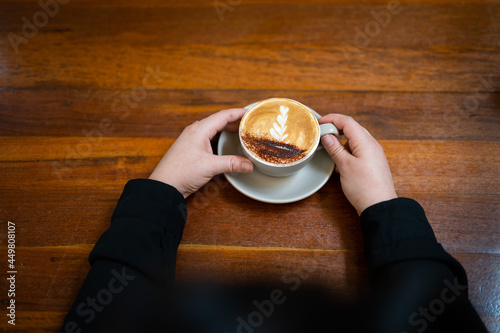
{"x":73,"y":149}
{"x":298,"y":47}
{"x":80,"y":203}
{"x":35,"y":321}
{"x":343,"y":271}
{"x":418,"y":167}
{"x":51,"y":276}
{"x":486,"y":302}
{"x":421,"y":167}
{"x":388,"y":116}
{"x":461,"y":223}
{"x":203,"y":3}
{"x":226,"y":264}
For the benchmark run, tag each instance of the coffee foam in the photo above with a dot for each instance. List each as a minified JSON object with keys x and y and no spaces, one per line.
{"x":279,"y":131}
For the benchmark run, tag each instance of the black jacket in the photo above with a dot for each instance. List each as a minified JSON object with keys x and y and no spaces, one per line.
{"x":417,"y":286}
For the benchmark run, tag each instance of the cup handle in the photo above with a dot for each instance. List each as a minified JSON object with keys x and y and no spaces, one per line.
{"x":325,"y":129}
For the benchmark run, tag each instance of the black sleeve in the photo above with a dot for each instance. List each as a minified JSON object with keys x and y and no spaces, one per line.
{"x":133,"y":263}
{"x":418,"y":286}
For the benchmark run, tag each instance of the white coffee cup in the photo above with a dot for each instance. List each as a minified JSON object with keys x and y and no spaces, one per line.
{"x":282,"y":170}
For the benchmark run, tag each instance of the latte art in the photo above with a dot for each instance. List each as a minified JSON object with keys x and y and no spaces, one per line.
{"x":279,"y":131}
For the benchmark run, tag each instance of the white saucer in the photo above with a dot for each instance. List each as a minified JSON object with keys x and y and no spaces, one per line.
{"x":277,"y":189}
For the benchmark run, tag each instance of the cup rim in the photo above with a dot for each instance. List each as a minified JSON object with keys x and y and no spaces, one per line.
{"x":302,"y":160}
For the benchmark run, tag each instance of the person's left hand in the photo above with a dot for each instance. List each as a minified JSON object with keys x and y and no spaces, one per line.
{"x":190,"y":162}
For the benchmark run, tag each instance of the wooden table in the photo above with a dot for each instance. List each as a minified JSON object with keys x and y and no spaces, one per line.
{"x":92,"y":93}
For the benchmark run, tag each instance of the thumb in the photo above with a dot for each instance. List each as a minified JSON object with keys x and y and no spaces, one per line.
{"x":335,"y":149}
{"x":232,"y":163}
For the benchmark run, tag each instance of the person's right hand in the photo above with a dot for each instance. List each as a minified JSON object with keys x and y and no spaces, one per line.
{"x":364,"y":172}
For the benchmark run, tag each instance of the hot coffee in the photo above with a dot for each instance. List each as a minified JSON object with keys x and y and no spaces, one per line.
{"x":279,"y":131}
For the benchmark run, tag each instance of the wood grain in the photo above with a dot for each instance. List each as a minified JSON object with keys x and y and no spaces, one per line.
{"x":278,"y":46}
{"x":421,"y":170}
{"x":427,"y":162}
{"x":52,"y":275}
{"x":164,"y":114}
{"x":80,"y":217}
{"x":103,"y":89}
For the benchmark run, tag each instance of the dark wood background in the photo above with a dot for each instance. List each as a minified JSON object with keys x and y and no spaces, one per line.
{"x":101,"y":89}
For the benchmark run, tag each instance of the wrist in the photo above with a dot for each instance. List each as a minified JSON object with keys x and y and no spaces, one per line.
{"x":170,"y":182}
{"x":373,"y":201}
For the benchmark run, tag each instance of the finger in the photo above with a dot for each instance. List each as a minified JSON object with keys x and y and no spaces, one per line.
{"x":336,"y":150}
{"x":351,"y":128}
{"x":218,"y":121}
{"x":347,"y":146}
{"x":231,"y":163}
{"x":232,"y":127}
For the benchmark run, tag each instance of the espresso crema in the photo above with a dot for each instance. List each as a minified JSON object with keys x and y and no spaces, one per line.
{"x":279,"y":131}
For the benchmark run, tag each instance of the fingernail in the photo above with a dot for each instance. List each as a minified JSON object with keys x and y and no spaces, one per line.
{"x":246,"y":167}
{"x":327,"y":140}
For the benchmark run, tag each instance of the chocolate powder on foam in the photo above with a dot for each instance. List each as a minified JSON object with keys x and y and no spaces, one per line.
{"x":273,"y":151}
